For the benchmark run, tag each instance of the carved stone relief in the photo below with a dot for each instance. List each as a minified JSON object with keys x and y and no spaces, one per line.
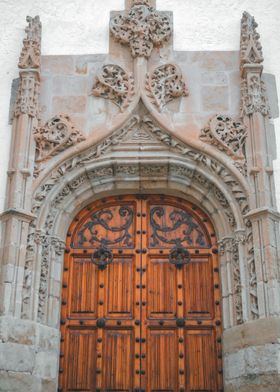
{"x":114,"y":83}
{"x":164,"y":84}
{"x":27,"y":95}
{"x":55,"y":136}
{"x":142,"y":28}
{"x":253,"y":96}
{"x":226,"y":134}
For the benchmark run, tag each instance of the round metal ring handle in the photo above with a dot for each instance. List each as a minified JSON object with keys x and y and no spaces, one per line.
{"x":179,"y":256}
{"x":102,"y":257}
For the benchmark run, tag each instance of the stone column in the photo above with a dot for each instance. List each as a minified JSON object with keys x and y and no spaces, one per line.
{"x":17,"y":215}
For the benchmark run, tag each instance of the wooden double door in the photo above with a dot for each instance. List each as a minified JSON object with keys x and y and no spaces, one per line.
{"x":141,"y":298}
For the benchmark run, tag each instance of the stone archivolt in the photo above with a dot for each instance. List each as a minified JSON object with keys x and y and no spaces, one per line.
{"x":142,"y":28}
{"x":55,"y":136}
{"x":227,"y":134}
{"x":164,"y":84}
{"x":114,"y":83}
{"x":31,"y":52}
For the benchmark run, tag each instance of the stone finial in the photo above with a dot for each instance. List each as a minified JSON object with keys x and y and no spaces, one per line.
{"x":226,"y":134}
{"x":250,"y":46}
{"x":114,"y":83}
{"x":31,"y":51}
{"x":142,"y":28}
{"x":55,"y":136}
{"x":164,"y":84}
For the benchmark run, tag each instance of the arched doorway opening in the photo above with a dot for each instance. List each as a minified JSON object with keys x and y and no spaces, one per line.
{"x":141,"y":298}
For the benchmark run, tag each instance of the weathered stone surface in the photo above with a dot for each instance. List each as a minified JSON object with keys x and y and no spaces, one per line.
{"x":17,"y":331}
{"x":69,"y":104}
{"x":215,"y":97}
{"x":19,"y":382}
{"x":16,"y":357}
{"x":46,"y":365}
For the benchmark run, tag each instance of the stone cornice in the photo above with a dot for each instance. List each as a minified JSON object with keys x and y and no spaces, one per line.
{"x":22,"y":215}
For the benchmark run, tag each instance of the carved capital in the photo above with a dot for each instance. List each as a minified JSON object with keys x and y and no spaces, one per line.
{"x":31,"y":51}
{"x":142,"y":28}
{"x":226,"y":134}
{"x":114,"y":83}
{"x":55,"y":136}
{"x":164,"y":84}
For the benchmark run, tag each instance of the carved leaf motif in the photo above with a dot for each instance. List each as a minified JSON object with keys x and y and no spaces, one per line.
{"x":227,"y":134}
{"x":55,"y":136}
{"x":164,"y":84}
{"x":253,"y":96}
{"x":142,"y":28}
{"x":114,"y":83}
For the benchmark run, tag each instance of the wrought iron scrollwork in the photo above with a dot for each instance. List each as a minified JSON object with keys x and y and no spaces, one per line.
{"x":180,"y":220}
{"x":179,"y":256}
{"x":104,"y":218}
{"x":102,"y":257}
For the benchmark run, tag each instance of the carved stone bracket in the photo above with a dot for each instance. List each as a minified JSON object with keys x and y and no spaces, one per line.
{"x":226,"y":134}
{"x":142,"y":28}
{"x":55,"y":136}
{"x":164,"y":84}
{"x":31,"y":51}
{"x":114,"y":83}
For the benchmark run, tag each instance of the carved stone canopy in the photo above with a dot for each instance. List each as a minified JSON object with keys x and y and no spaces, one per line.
{"x":250,"y":46}
{"x":31,"y":51}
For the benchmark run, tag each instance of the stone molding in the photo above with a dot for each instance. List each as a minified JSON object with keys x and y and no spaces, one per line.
{"x":141,"y":28}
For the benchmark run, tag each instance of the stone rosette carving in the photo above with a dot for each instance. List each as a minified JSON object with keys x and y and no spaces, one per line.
{"x":164,"y":84}
{"x":142,"y":28}
{"x":55,"y":136}
{"x":250,"y":46}
{"x":31,"y":52}
{"x":114,"y":83}
{"x":226,"y":134}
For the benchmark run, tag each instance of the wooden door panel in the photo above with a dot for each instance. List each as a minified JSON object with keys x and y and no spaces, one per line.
{"x":118,"y":365}
{"x":81,"y":359}
{"x":141,"y":323}
{"x":119,"y":296}
{"x":84,"y":288}
{"x":162,"y":360}
{"x":201,"y":363}
{"x":161,"y":288}
{"x":198,"y":288}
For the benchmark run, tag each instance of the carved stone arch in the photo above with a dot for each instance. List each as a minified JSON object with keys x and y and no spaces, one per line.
{"x":106,"y":169}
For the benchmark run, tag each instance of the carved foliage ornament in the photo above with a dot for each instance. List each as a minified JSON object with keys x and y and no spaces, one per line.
{"x":227,"y":134}
{"x":164,"y":84}
{"x":142,"y":28}
{"x":55,"y":136}
{"x":253,"y":96}
{"x":114,"y":83}
{"x":31,"y":51}
{"x":250,"y":47}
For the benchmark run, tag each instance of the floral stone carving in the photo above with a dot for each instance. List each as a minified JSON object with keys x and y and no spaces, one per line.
{"x":114,"y":83}
{"x":164,"y":84}
{"x":253,"y":96}
{"x":142,"y":28}
{"x":227,"y":134}
{"x":55,"y":136}
{"x":250,"y":46}
{"x":31,"y":51}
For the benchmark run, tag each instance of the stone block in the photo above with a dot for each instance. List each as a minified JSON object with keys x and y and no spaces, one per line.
{"x":58,"y":64}
{"x":48,"y":338}
{"x":262,"y":359}
{"x":15,"y":330}
{"x":234,"y":365}
{"x":215,"y":99}
{"x":46,"y":365}
{"x":16,"y":357}
{"x":69,"y":104}
{"x":214,"y":77}
{"x":19,"y":382}
{"x":69,"y":85}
